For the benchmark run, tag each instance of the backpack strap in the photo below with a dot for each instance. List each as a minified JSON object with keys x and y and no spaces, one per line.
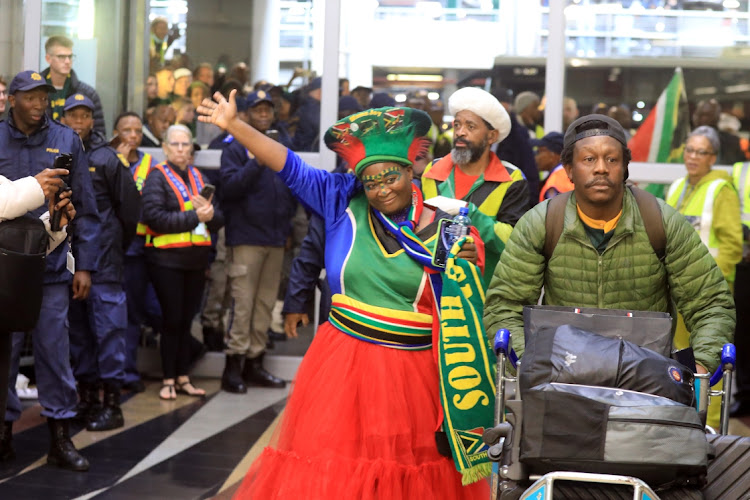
{"x":554,"y":222}
{"x":647,"y":206}
{"x":652,"y":221}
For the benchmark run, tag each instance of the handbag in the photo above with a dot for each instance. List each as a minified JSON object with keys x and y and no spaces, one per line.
{"x":23,"y":253}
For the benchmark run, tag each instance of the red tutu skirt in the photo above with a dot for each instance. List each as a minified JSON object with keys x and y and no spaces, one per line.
{"x":360,"y":424}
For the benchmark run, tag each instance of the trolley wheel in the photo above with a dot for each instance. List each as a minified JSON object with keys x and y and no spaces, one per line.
{"x":729,"y":470}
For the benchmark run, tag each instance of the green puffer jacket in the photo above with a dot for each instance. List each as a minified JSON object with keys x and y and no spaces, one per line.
{"x":628,"y":275}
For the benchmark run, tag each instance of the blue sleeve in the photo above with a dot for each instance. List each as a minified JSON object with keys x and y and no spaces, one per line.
{"x":326,"y":194}
{"x":86,"y":224}
{"x":306,"y":267}
{"x":237,"y":173}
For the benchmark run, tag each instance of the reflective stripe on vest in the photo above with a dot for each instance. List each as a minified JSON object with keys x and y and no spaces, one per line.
{"x":742,"y":183}
{"x":700,"y":209}
{"x":139,"y":176}
{"x":198,"y":236}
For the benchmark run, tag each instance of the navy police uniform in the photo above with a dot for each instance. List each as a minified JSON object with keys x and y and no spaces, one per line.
{"x":98,"y":324}
{"x":22,"y":156}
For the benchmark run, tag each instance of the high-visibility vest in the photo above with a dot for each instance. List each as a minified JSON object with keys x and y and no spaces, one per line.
{"x":741,"y":177}
{"x":699,"y":209}
{"x":198,"y":236}
{"x":139,"y":176}
{"x":557,"y":179}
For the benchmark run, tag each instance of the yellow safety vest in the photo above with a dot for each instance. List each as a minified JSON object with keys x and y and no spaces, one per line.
{"x":139,"y":176}
{"x":741,"y":177}
{"x":698,"y":208}
{"x":198,"y":236}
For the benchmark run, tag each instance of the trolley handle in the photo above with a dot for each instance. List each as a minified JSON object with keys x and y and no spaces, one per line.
{"x":728,"y":362}
{"x":502,"y":346}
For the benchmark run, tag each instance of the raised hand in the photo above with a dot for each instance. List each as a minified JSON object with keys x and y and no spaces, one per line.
{"x":220,"y":112}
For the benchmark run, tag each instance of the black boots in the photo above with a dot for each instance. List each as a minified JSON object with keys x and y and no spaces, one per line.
{"x":6,"y":442}
{"x":231,"y":380}
{"x":110,"y":415}
{"x":62,"y":452}
{"x":254,"y":374}
{"x":88,"y":401}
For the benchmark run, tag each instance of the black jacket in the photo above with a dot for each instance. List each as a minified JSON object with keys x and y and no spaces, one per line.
{"x":258,"y":206}
{"x":78,"y":87}
{"x":516,"y":149}
{"x":119,"y":205}
{"x":162,"y":214}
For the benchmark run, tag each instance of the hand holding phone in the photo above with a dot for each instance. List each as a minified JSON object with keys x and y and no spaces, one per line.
{"x":64,"y":161}
{"x":208,"y":191}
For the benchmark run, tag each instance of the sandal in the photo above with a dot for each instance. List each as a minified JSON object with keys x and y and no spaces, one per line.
{"x":171,"y":395}
{"x":189,"y":389}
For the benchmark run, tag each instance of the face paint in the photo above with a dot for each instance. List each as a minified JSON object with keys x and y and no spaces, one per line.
{"x":383,"y":180}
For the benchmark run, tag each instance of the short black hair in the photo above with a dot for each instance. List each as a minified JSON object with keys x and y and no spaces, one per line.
{"x":566,"y":157}
{"x":124,"y":115}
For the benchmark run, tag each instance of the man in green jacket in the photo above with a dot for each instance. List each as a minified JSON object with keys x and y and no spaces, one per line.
{"x":604,"y":257}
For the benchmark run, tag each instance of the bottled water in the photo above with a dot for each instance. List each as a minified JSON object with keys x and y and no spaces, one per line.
{"x":461,"y":225}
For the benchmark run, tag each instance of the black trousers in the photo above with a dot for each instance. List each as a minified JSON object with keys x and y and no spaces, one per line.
{"x":180,"y":292}
{"x":742,"y":331}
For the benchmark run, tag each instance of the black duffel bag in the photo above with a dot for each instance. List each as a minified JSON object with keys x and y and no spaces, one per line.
{"x":23,"y":252}
{"x":569,"y":355}
{"x":613,"y":431}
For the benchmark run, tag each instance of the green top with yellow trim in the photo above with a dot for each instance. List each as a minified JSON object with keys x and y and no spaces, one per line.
{"x":501,"y":192}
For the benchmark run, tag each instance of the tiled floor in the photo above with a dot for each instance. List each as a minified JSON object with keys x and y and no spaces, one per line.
{"x":184,"y":449}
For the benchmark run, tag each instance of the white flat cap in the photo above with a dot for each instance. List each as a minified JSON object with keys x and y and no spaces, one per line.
{"x":483,"y":104}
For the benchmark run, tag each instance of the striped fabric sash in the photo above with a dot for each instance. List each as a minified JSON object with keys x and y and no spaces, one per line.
{"x":405,"y":330}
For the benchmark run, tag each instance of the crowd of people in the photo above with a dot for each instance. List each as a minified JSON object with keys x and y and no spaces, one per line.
{"x":155,"y":244}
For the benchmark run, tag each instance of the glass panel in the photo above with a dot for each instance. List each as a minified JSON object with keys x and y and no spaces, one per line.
{"x":97,"y":31}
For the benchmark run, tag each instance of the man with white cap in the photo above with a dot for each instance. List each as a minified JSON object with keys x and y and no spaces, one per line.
{"x":472,"y":172}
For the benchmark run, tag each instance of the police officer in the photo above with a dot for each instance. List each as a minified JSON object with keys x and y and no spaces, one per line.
{"x":143,"y":306}
{"x":98,"y":324}
{"x":258,"y":208}
{"x":29,"y":143}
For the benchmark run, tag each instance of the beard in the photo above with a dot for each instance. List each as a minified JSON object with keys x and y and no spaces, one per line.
{"x":469,"y":153}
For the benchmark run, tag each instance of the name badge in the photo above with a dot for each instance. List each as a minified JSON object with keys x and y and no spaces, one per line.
{"x":71,"y":263}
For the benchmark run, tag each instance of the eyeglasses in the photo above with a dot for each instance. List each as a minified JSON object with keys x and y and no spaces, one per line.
{"x":63,"y":57}
{"x":179,"y":145}
{"x":699,"y":152}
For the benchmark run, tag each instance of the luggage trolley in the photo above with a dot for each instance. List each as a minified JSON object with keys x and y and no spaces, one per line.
{"x":512,"y":479}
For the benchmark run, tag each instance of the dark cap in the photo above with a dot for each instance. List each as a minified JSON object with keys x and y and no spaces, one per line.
{"x":578,"y":130}
{"x":348,"y":103}
{"x":241,"y":102}
{"x":255,"y":98}
{"x":315,"y":83}
{"x":28,"y":80}
{"x":382,"y":100}
{"x":78,"y":100}
{"x":552,"y":141}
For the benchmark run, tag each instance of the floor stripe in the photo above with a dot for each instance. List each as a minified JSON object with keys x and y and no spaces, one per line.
{"x":200,"y":470}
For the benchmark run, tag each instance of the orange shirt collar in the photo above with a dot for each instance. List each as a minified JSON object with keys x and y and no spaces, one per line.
{"x":605,"y":226}
{"x":494,"y":172}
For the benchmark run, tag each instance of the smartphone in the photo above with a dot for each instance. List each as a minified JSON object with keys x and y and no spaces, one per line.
{"x":443,"y":243}
{"x":208,"y":191}
{"x":62,"y":161}
{"x":273,"y":134}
